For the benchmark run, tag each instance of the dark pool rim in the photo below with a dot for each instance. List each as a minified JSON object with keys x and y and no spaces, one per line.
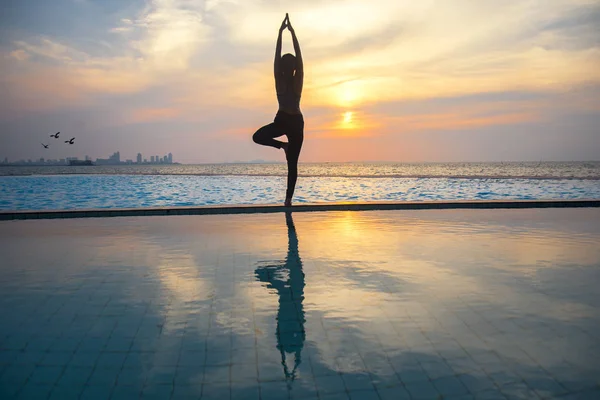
{"x":305,"y":207}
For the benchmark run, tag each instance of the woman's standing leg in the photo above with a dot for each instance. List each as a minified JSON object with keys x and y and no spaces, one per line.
{"x":295,"y":139}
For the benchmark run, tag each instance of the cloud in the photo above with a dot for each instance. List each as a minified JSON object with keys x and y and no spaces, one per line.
{"x":577,"y":29}
{"x":19,"y":54}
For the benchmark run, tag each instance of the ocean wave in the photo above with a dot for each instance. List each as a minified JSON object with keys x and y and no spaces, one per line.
{"x":463,"y":171}
{"x":354,"y":176}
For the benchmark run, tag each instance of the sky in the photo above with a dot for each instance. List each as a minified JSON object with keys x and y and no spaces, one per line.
{"x":385,"y":80}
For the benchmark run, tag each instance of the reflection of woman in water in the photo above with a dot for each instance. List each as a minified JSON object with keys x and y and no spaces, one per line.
{"x":288,"y":280}
{"x":289,"y":78}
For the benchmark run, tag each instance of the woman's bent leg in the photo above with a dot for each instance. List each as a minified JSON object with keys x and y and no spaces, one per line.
{"x":266,"y":135}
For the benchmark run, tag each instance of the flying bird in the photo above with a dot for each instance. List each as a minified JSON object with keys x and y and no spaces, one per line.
{"x":55,"y":135}
{"x":70,"y":141}
{"x":45,"y":145}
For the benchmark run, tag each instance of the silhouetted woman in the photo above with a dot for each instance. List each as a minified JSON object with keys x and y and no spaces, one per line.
{"x":289,"y":78}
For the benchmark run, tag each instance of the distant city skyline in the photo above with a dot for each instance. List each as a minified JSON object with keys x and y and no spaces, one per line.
{"x":114,"y":159}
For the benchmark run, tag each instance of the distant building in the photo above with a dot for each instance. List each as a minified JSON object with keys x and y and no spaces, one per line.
{"x":170,"y":158}
{"x":145,"y":160}
{"x":88,"y":158}
{"x":156,"y":158}
{"x":112,"y":160}
{"x":139,"y":158}
{"x":152,"y":159}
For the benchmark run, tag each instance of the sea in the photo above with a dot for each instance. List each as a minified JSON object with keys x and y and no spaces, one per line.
{"x":133,"y":186}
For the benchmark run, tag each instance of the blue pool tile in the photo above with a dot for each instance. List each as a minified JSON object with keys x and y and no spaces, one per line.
{"x":319,"y":368}
{"x":490,"y":395}
{"x":518,"y":390}
{"x":243,"y":343}
{"x":118,"y":344}
{"x":217,"y":374}
{"x":8,"y":356}
{"x":244,"y":373}
{"x":303,"y":389}
{"x":9,"y":391}
{"x":96,"y":392}
{"x":358,"y":382}
{"x":66,"y":393}
{"x":413,"y":376}
{"x":46,"y":374}
{"x":330,"y":384}
{"x":274,"y":390}
{"x":450,"y":386}
{"x":336,"y":396}
{"x":545,"y":386}
{"x":218,"y":357}
{"x":393,"y":393}
{"x":215,"y":391}
{"x":35,"y":391}
{"x":245,"y":393}
{"x":186,"y":392}
{"x":104,"y":376}
{"x":56,"y":358}
{"x":477,"y":384}
{"x":156,"y":391}
{"x":126,"y":392}
{"x":15,"y":342}
{"x":461,"y":397}
{"x":187,"y":376}
{"x":16,"y":375}
{"x":131,"y":376}
{"x":91,"y":344}
{"x":272,"y":371}
{"x":244,"y":356}
{"x":161,"y":375}
{"x":437,"y":369}
{"x":193,"y":345}
{"x":74,"y":376}
{"x":28,"y":357}
{"x":66,"y":344}
{"x":422,"y":390}
{"x":589,"y":394}
{"x":111,"y":360}
{"x":364,"y":395}
{"x":40,"y":343}
{"x":84,"y":359}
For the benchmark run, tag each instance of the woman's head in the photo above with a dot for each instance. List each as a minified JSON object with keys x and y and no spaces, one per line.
{"x":288,"y":64}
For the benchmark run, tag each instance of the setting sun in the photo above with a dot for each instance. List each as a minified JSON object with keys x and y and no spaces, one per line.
{"x":349,"y":94}
{"x":348,"y":118}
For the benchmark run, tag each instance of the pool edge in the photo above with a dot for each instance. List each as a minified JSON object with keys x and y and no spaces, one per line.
{"x":274,"y":208}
